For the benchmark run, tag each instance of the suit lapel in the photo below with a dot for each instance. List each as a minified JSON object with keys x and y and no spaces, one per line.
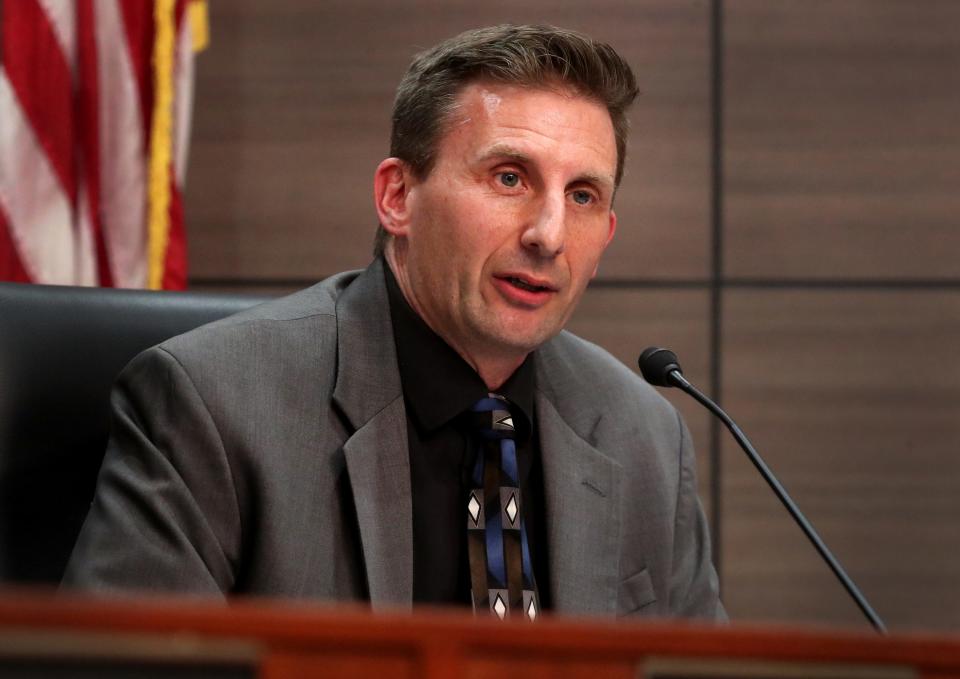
{"x":582,"y":496}
{"x":368,"y":392}
{"x":378,"y":462}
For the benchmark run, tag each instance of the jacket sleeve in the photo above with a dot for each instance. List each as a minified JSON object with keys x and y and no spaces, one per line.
{"x":694,"y":586}
{"x":165,"y":514}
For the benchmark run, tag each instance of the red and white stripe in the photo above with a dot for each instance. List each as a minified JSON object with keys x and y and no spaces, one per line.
{"x":76,"y":96}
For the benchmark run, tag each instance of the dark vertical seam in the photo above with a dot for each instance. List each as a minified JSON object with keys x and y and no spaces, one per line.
{"x":716,"y":272}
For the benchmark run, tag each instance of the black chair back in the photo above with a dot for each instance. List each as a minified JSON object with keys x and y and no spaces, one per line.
{"x":60,"y":350}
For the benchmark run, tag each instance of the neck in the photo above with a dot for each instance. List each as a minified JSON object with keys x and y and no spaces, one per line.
{"x":494,"y":374}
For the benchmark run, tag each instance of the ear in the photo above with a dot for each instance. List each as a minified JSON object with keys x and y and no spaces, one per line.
{"x":391,"y":186}
{"x":613,"y":230}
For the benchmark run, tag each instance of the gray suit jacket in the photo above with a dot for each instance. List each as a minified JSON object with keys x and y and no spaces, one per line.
{"x":267,"y":454}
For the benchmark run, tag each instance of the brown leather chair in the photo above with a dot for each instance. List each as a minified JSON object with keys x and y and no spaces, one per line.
{"x":60,"y":350}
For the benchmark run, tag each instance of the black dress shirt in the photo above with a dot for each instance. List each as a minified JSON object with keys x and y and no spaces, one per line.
{"x":438,"y":388}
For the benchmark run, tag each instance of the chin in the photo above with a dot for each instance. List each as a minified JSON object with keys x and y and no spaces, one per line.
{"x":513,"y":333}
{"x":523,"y":341}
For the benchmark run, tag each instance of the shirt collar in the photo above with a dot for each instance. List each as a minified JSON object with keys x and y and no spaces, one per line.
{"x":438,"y":385}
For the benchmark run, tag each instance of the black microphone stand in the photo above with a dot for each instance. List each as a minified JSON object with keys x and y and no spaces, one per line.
{"x":677,"y":378}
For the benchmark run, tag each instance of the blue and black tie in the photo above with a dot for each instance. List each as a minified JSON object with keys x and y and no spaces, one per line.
{"x":501,"y":571}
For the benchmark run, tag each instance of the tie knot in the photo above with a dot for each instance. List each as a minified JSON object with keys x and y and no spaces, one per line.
{"x":492,"y":418}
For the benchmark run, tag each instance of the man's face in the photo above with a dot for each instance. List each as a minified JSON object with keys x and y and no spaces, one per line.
{"x":505,"y":233}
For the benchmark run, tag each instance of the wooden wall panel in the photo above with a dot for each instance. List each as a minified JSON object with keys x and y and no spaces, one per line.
{"x":292,"y":116}
{"x":842,"y":158}
{"x":626,"y":321}
{"x":853,"y":398}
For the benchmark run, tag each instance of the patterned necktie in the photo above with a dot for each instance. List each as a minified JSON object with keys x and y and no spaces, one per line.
{"x":501,"y":572}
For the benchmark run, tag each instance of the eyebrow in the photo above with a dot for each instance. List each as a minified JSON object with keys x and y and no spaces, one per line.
{"x":511,"y":153}
{"x":505,"y":151}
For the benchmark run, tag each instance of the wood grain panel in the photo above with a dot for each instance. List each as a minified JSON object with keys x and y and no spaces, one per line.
{"x":842,"y":157}
{"x":625,"y":322}
{"x":292,"y":117}
{"x":853,"y":398}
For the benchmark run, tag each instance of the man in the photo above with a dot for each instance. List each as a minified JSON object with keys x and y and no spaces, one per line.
{"x":327,"y":445}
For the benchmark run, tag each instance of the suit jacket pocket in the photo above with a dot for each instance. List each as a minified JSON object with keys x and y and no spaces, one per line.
{"x":636,"y":593}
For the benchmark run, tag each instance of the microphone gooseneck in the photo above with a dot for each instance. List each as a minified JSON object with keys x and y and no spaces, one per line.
{"x":661,"y":368}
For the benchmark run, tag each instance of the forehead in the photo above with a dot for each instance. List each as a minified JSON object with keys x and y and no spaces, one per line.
{"x":547,"y":120}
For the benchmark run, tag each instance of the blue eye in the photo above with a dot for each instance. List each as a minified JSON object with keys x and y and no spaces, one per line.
{"x":509,"y":179}
{"x":582,"y":197}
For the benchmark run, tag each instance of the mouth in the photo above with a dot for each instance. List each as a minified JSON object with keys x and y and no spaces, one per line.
{"x":528,"y":284}
{"x":525,"y":292}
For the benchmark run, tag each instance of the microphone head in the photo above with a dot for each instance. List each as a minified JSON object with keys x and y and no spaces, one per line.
{"x":656,"y":364}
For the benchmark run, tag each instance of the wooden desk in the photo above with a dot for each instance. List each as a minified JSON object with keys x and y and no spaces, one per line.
{"x":46,"y":634}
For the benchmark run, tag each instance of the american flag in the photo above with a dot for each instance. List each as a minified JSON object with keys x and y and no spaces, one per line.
{"x":95,"y":102}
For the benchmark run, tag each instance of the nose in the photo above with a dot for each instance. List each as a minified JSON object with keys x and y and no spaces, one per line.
{"x":545,"y":233}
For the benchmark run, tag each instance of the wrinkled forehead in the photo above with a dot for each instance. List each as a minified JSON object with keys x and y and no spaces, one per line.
{"x":485,"y":98}
{"x":492,"y":91}
{"x":490,"y":112}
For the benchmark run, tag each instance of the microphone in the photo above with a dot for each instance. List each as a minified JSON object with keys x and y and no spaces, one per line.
{"x":658,"y":365}
{"x":661,"y":368}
